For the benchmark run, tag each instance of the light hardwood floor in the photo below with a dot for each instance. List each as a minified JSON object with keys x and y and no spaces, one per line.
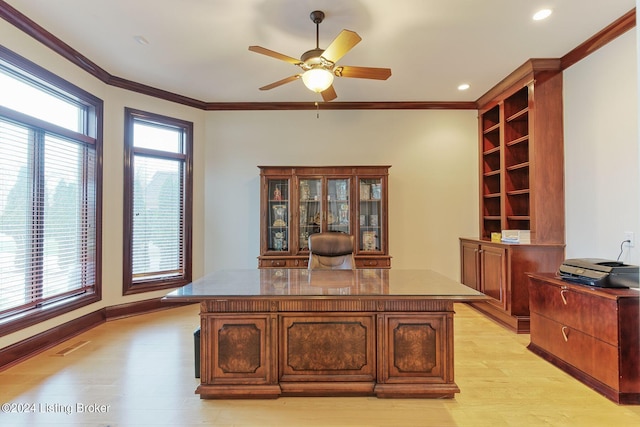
{"x":139,"y":370}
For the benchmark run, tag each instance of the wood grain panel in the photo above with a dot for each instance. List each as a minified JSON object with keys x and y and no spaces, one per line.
{"x":327,"y":348}
{"x":416,"y":348}
{"x":238,"y":348}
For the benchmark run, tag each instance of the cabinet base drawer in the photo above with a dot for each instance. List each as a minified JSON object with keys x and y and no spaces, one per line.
{"x":373,"y":262}
{"x":621,"y":397}
{"x":269,"y":262}
{"x":303,"y":262}
{"x":566,"y":305}
{"x":576,"y":348}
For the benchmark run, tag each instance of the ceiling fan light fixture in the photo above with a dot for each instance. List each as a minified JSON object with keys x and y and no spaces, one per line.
{"x":317,"y":79}
{"x":319,"y":66}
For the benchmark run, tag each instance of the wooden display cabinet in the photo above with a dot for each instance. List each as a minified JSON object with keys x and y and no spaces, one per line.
{"x":296,"y":202}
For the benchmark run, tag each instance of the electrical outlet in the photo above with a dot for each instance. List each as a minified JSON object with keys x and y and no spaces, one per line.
{"x":628,"y":235}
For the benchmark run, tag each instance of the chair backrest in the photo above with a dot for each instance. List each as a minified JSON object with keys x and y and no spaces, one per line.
{"x":331,"y":251}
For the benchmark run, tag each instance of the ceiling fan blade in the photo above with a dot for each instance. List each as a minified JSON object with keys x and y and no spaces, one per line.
{"x":363,"y":72}
{"x":342,"y":44}
{"x":281,"y":82}
{"x":273,"y":54}
{"x":329,"y":94}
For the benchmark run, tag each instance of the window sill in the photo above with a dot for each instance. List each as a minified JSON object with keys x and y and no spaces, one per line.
{"x":141,"y":287}
{"x":34,"y":316}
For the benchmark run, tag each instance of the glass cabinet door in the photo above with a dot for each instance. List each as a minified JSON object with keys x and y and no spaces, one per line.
{"x":370,"y":215}
{"x":310,"y":216}
{"x":338,"y":205}
{"x":278,"y":215}
{"x":297,"y":202}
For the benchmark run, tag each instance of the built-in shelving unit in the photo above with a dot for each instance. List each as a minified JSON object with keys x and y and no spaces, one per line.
{"x":521,"y":154}
{"x":521,"y":188}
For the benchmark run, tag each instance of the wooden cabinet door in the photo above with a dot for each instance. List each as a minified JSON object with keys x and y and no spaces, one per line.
{"x":237,"y":349}
{"x":327,"y":348}
{"x":415,"y":348}
{"x":493,"y":274}
{"x":277,"y":215}
{"x":469,"y":253}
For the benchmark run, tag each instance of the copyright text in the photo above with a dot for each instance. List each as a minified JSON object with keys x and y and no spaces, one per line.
{"x":54,"y":408}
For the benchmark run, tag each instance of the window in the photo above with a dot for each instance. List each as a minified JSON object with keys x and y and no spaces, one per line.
{"x":158,"y":199}
{"x":50,"y":195}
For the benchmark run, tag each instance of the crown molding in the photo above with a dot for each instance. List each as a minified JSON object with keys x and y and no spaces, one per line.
{"x":378,"y":105}
{"x":22,"y":22}
{"x":620,"y":26}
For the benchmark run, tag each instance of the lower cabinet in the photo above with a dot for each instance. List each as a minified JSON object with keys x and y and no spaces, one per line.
{"x":499,"y":271}
{"x":591,"y":333}
{"x":266,"y":355}
{"x":242,"y":349}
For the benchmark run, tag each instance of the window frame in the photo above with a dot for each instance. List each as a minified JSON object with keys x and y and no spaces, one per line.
{"x":93,"y":134}
{"x":131,"y":117}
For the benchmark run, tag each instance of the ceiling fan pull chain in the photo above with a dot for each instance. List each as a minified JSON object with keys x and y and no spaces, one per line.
{"x":317,"y":110}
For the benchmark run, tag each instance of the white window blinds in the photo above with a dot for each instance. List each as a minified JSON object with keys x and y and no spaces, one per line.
{"x":47,"y":217}
{"x":157,"y":218}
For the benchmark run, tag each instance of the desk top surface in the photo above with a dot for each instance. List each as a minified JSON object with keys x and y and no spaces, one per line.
{"x":363,"y":283}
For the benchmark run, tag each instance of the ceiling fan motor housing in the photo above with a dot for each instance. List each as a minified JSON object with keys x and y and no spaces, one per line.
{"x":317,"y":16}
{"x":314,"y":57}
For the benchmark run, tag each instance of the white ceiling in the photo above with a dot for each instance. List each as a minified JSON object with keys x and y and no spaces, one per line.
{"x":199,"y":48}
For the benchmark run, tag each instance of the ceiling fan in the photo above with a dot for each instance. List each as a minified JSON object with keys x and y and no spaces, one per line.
{"x":319,"y":66}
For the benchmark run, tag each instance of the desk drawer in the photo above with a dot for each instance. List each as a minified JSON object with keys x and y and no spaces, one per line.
{"x":588,"y":354}
{"x":373,"y":262}
{"x":269,"y":262}
{"x":582,"y":311}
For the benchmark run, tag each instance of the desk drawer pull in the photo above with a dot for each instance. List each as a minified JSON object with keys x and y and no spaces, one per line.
{"x":562,"y":295}
{"x":565,"y":335}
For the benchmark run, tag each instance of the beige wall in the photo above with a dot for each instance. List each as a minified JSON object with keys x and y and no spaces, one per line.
{"x":601,"y":152}
{"x":433,"y":183}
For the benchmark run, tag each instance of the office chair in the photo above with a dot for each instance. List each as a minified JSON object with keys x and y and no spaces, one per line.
{"x":331,"y":251}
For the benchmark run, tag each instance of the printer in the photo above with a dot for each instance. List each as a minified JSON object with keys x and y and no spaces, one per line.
{"x":599,"y":272}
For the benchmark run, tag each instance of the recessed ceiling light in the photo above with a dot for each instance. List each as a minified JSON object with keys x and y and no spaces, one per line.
{"x":141,"y":40}
{"x":542,"y":14}
{"x":464,"y":86}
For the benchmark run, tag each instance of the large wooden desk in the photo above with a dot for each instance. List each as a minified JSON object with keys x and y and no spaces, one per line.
{"x":267,"y":333}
